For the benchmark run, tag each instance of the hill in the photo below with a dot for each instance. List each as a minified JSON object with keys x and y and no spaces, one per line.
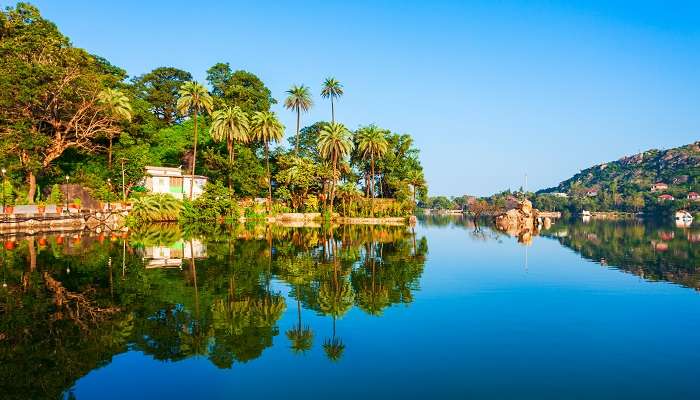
{"x":677,"y":167}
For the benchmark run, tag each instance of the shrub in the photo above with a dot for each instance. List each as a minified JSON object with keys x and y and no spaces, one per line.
{"x":156,"y":207}
{"x":8,"y":192}
{"x":311,"y":204}
{"x":215,"y":203}
{"x":56,"y":196}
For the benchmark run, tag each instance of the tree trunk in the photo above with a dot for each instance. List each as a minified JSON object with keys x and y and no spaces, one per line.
{"x":332,"y":111}
{"x":332,"y":196}
{"x":269,"y":179}
{"x":298,"y":123}
{"x":109,"y":154}
{"x":366,"y":184}
{"x":31,"y":179}
{"x":231,"y":156}
{"x":194,"y":154}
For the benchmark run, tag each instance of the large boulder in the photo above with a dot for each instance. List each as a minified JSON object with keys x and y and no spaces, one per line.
{"x":520,"y":221}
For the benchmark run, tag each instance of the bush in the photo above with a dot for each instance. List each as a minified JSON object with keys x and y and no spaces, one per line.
{"x":156,"y":208}
{"x":8,"y":193}
{"x":215,"y":203}
{"x":56,"y":196}
{"x":311,"y":204}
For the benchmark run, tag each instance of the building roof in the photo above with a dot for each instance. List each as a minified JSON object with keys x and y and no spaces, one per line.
{"x":162,"y":171}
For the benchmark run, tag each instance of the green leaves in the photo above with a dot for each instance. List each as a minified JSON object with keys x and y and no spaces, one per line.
{"x":266,"y":128}
{"x":335,"y":142}
{"x":299,"y":98}
{"x":194,"y":96}
{"x":331,"y":88}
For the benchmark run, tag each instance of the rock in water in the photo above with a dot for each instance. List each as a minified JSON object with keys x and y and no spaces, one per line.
{"x":520,"y":221}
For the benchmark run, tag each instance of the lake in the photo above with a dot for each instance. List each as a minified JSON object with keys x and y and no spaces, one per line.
{"x":440,"y":310}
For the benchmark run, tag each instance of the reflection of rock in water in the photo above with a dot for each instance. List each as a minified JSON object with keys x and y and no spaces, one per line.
{"x":521,"y":222}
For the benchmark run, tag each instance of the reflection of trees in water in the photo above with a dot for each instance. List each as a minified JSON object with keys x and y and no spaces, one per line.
{"x":647,"y":250}
{"x":223,"y":306}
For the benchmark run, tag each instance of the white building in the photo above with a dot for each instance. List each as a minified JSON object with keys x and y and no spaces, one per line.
{"x":174,"y":254}
{"x":172,"y":181}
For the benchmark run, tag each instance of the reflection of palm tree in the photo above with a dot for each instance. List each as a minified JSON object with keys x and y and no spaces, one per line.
{"x":301,"y":337}
{"x":335,"y":298}
{"x":334,"y":347}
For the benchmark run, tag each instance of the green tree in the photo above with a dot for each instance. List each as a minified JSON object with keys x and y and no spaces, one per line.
{"x":334,"y":144}
{"x":116,"y":105}
{"x":48,"y":93}
{"x":372,"y":144}
{"x":299,"y":100}
{"x":194,"y":98}
{"x":332,"y":89}
{"x":417,"y":181}
{"x":239,"y":88}
{"x":230,"y":124}
{"x":159,"y":88}
{"x":299,"y":175}
{"x":266,"y":128}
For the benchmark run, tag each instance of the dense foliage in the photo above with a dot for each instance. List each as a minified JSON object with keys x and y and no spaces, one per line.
{"x":66,"y":112}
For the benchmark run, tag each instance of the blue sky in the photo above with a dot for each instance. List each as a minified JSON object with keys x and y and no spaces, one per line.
{"x":490,"y":90}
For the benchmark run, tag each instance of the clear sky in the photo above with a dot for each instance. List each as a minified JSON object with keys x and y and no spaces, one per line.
{"x":490,"y":90}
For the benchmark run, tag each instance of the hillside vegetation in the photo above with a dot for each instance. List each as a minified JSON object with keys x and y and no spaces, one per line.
{"x":678,"y":167}
{"x":655,"y":181}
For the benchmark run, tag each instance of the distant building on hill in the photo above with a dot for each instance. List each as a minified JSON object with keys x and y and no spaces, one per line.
{"x":659,"y":186}
{"x":693,"y":196}
{"x":168,"y":180}
{"x":592,"y":192}
{"x":666,"y":197}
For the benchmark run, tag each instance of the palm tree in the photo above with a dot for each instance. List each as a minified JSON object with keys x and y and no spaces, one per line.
{"x":299,"y":100}
{"x":266,"y":128}
{"x":230,"y":124}
{"x":117,"y":105}
{"x":334,"y":144}
{"x":332,"y":89}
{"x":416,"y":180}
{"x":194,"y":97}
{"x":372,"y":144}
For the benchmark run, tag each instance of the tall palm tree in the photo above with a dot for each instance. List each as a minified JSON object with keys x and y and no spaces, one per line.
{"x":334,"y":144}
{"x":372,"y":144}
{"x":332,"y":89}
{"x":266,"y":128}
{"x":194,"y":98}
{"x":299,"y":100}
{"x":117,"y":105}
{"x":230,"y":124}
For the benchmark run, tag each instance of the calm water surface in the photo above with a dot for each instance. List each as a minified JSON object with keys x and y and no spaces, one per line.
{"x":598,"y":310}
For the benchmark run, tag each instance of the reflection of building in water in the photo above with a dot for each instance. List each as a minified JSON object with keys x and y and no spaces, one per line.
{"x":171,"y":256}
